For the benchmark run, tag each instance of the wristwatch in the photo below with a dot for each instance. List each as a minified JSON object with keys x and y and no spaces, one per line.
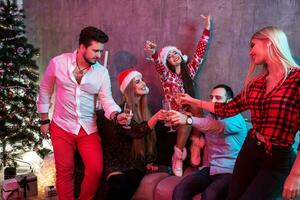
{"x":46,"y":121}
{"x":189,"y":120}
{"x":115,"y":119}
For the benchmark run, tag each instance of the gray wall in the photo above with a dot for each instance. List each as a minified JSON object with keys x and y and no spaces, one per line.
{"x":54,"y":25}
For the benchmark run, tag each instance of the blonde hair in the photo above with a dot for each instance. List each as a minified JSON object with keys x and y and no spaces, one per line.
{"x":278,"y":50}
{"x":146,"y":145}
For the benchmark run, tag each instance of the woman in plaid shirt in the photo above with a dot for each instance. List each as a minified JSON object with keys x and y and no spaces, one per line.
{"x":267,"y":167}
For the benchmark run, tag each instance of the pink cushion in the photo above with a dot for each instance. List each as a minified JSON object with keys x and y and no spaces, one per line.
{"x":164,"y":189}
{"x":197,"y":197}
{"x":147,"y":186}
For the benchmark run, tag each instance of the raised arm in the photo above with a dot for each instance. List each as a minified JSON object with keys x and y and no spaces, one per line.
{"x":151,"y":49}
{"x":201,"y":49}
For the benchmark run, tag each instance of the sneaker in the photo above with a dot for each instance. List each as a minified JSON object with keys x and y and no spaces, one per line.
{"x":195,"y":149}
{"x":177,"y":159}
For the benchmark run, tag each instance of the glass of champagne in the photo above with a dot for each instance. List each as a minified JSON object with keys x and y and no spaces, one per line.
{"x":128,"y":115}
{"x":148,"y":55}
{"x":167,"y":107}
{"x":176,"y":94}
{"x":149,"y":51}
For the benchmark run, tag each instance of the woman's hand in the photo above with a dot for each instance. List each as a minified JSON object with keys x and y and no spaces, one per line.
{"x":45,"y":130}
{"x":150,"y":47}
{"x":151,"y":167}
{"x":160,"y":115}
{"x":186,"y":99}
{"x":177,"y":118}
{"x":121,"y":119}
{"x":207,"y":21}
{"x":291,"y":188}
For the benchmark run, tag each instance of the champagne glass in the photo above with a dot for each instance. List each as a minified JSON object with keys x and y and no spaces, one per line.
{"x":167,"y":107}
{"x":148,"y":55}
{"x":98,"y":105}
{"x":176,"y":94}
{"x":149,"y":50}
{"x":128,"y":115}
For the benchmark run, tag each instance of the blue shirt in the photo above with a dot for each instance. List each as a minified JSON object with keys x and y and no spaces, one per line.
{"x":224,"y":139}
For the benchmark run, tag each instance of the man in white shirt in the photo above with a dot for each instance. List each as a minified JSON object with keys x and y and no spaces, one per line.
{"x":79,"y":80}
{"x":223,"y":140}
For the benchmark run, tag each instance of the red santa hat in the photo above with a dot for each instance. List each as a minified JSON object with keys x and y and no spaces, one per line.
{"x":126,"y":76}
{"x":164,"y":52}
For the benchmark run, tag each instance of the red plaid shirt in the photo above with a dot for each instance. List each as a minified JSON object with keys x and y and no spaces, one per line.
{"x":171,"y":82}
{"x":275,"y":115}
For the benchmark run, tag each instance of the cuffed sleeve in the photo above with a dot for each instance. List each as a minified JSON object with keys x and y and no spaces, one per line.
{"x":46,"y":89}
{"x":160,"y":68}
{"x":206,"y":33}
{"x":105,"y":96}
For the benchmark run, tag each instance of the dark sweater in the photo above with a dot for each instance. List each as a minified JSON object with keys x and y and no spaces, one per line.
{"x":116,"y":144}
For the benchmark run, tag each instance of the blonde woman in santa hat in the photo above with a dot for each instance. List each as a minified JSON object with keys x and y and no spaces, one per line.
{"x":130,"y":152}
{"x":177,"y":77}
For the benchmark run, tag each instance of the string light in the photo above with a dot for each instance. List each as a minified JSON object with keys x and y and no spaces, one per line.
{"x":46,"y":175}
{"x":18,"y":90}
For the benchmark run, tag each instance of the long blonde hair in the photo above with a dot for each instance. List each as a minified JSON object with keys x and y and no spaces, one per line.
{"x":278,"y":50}
{"x":146,"y":145}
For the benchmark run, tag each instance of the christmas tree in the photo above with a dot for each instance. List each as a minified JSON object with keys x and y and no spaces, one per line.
{"x":19,"y":121}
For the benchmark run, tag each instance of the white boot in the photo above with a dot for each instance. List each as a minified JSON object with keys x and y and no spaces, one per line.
{"x":177,"y":159}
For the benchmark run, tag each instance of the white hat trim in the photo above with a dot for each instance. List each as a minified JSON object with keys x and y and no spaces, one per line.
{"x":127,"y":80}
{"x":165,"y":52}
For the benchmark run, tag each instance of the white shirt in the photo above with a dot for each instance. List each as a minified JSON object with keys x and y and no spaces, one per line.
{"x":75,"y":103}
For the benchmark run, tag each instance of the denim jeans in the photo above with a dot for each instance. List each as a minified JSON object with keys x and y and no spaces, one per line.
{"x":258,"y":175}
{"x":212,"y":187}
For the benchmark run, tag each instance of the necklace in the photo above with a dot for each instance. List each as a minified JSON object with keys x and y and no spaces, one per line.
{"x":81,"y":71}
{"x":79,"y":74}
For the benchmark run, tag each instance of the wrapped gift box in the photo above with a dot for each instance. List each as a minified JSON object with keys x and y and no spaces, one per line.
{"x":10,"y":189}
{"x":27,"y":184}
{"x":50,"y":191}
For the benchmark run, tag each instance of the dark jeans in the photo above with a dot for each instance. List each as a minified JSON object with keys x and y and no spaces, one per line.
{"x":123,"y":186}
{"x":258,"y":175}
{"x":212,"y":187}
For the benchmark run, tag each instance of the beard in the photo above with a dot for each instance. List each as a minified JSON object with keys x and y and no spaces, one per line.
{"x":87,"y":60}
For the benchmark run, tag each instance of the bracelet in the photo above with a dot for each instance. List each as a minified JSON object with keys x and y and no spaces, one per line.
{"x":116,"y":117}
{"x":46,"y":121}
